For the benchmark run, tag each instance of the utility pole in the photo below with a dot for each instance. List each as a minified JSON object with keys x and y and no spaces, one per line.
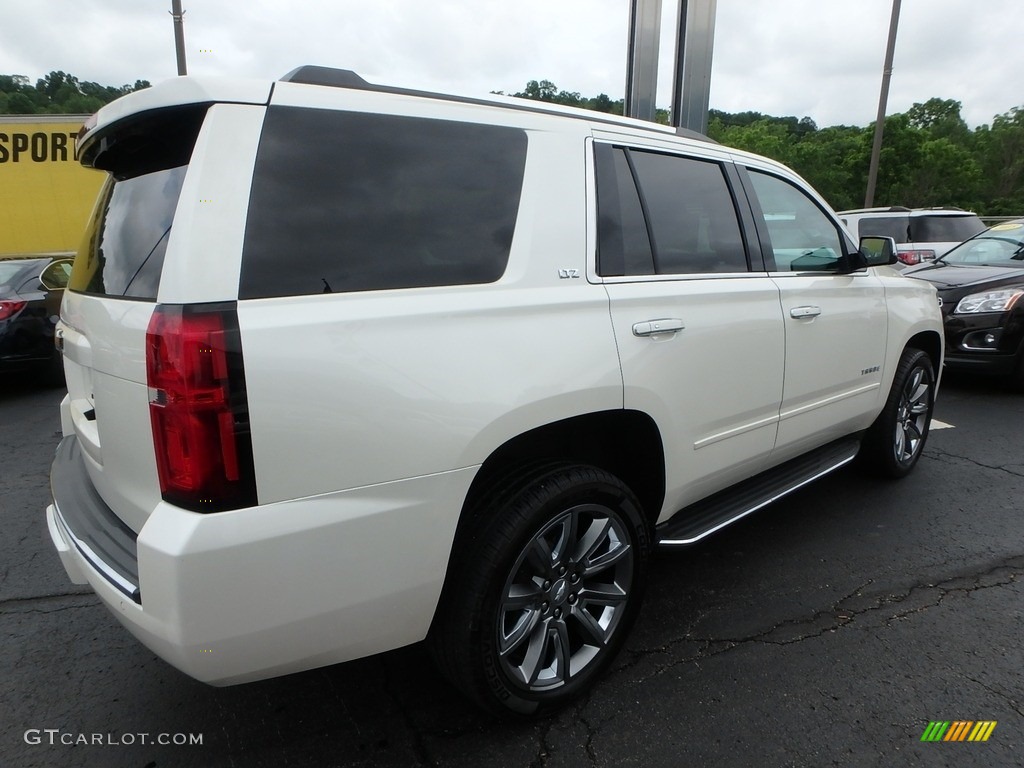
{"x":883,"y":98}
{"x":179,"y":35}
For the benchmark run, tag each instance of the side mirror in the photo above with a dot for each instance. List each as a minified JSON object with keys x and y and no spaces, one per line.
{"x":878,"y":251}
{"x":55,"y":276}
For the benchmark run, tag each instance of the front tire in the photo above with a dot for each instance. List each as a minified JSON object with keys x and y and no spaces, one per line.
{"x":894,"y":443}
{"x":544,"y":591}
{"x":1017,"y":377}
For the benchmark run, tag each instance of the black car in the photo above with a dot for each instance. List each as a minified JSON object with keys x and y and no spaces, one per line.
{"x":31,"y":289}
{"x":981,"y":286}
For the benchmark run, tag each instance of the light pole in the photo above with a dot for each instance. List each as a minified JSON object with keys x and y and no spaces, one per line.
{"x":179,"y":35}
{"x":883,"y":98}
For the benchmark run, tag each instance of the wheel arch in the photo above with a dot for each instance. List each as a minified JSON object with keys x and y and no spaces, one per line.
{"x":929,"y":342}
{"x":625,"y":443}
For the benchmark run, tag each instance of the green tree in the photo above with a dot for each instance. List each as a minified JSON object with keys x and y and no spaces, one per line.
{"x":940,"y":118}
{"x":835,"y":161}
{"x":1000,"y":149}
{"x":763,"y":136}
{"x":930,"y":157}
{"x":57,"y":93}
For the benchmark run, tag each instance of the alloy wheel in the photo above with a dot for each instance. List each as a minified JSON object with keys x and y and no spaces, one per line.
{"x":564,"y":598}
{"x":912,"y":415}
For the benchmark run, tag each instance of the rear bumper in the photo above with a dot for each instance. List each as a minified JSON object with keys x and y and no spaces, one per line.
{"x":254,"y":593}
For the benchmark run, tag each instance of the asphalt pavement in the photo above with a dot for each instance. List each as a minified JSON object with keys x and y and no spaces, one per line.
{"x":828,"y":629}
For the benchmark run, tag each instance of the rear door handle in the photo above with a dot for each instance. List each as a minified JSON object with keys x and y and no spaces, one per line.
{"x":655,"y":327}
{"x":800,"y":312}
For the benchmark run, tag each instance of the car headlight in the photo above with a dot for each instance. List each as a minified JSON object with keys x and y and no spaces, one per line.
{"x":990,"y":301}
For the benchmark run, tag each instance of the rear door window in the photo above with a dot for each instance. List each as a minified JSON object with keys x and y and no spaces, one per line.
{"x":345,"y":201}
{"x":665,"y":214}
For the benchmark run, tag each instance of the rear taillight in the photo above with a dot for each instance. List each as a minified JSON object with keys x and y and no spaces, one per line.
{"x":912,"y":257}
{"x":198,"y":407}
{"x":9,"y":309}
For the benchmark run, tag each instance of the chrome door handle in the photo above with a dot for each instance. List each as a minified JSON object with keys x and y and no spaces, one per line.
{"x":800,"y":312}
{"x":654,"y":327}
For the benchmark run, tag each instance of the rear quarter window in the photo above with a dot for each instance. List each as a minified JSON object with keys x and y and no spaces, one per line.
{"x":345,"y":201}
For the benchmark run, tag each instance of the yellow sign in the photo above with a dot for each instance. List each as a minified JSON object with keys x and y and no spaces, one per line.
{"x":45,"y":195}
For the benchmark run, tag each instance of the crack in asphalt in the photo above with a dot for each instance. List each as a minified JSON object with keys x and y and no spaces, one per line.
{"x":13,"y":604}
{"x":1014,"y":704}
{"x":543,"y":747}
{"x":941,"y":455}
{"x":591,"y":732}
{"x":838,"y":614}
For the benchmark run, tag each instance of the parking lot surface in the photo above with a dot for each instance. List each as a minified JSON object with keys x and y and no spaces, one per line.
{"x":828,"y":629}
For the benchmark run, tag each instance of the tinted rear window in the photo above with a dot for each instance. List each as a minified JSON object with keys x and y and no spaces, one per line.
{"x":896,"y":227}
{"x":944,"y":229}
{"x":347,"y":201}
{"x":146,"y":155}
{"x":123,"y":251}
{"x":921,"y":229}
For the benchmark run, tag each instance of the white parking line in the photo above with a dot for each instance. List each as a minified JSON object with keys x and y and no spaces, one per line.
{"x":936,"y":424}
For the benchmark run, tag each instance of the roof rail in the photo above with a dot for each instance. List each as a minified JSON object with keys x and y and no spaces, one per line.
{"x":310,"y":74}
{"x":336,"y":78}
{"x":688,"y":133}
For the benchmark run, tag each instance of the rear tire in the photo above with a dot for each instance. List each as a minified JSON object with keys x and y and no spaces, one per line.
{"x":894,"y":443}
{"x":51,"y":373}
{"x":540,"y":603}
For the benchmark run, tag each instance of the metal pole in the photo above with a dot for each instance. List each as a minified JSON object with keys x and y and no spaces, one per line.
{"x":883,"y":98}
{"x":179,"y":35}
{"x":691,"y":88}
{"x":642,"y":58}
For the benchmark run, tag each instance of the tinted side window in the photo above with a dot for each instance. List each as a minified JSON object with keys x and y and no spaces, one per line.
{"x":691,"y":213}
{"x":803,"y":237}
{"x":124,"y":245}
{"x":344,"y":201}
{"x":624,"y":247}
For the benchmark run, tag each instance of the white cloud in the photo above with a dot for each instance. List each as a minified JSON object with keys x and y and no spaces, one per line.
{"x":819,"y":58}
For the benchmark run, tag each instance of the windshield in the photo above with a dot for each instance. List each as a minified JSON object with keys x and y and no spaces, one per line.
{"x":1002,"y":245}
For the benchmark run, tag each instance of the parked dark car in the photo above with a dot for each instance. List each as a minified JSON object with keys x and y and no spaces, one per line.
{"x":981,"y":286}
{"x":31,"y":289}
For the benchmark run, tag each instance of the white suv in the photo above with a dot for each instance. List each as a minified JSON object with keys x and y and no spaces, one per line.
{"x":350,"y":367}
{"x":921,"y":234}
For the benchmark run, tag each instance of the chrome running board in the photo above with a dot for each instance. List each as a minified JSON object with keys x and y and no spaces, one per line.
{"x":693,"y":523}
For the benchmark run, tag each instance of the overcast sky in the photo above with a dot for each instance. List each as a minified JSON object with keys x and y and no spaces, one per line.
{"x":819,"y":58}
